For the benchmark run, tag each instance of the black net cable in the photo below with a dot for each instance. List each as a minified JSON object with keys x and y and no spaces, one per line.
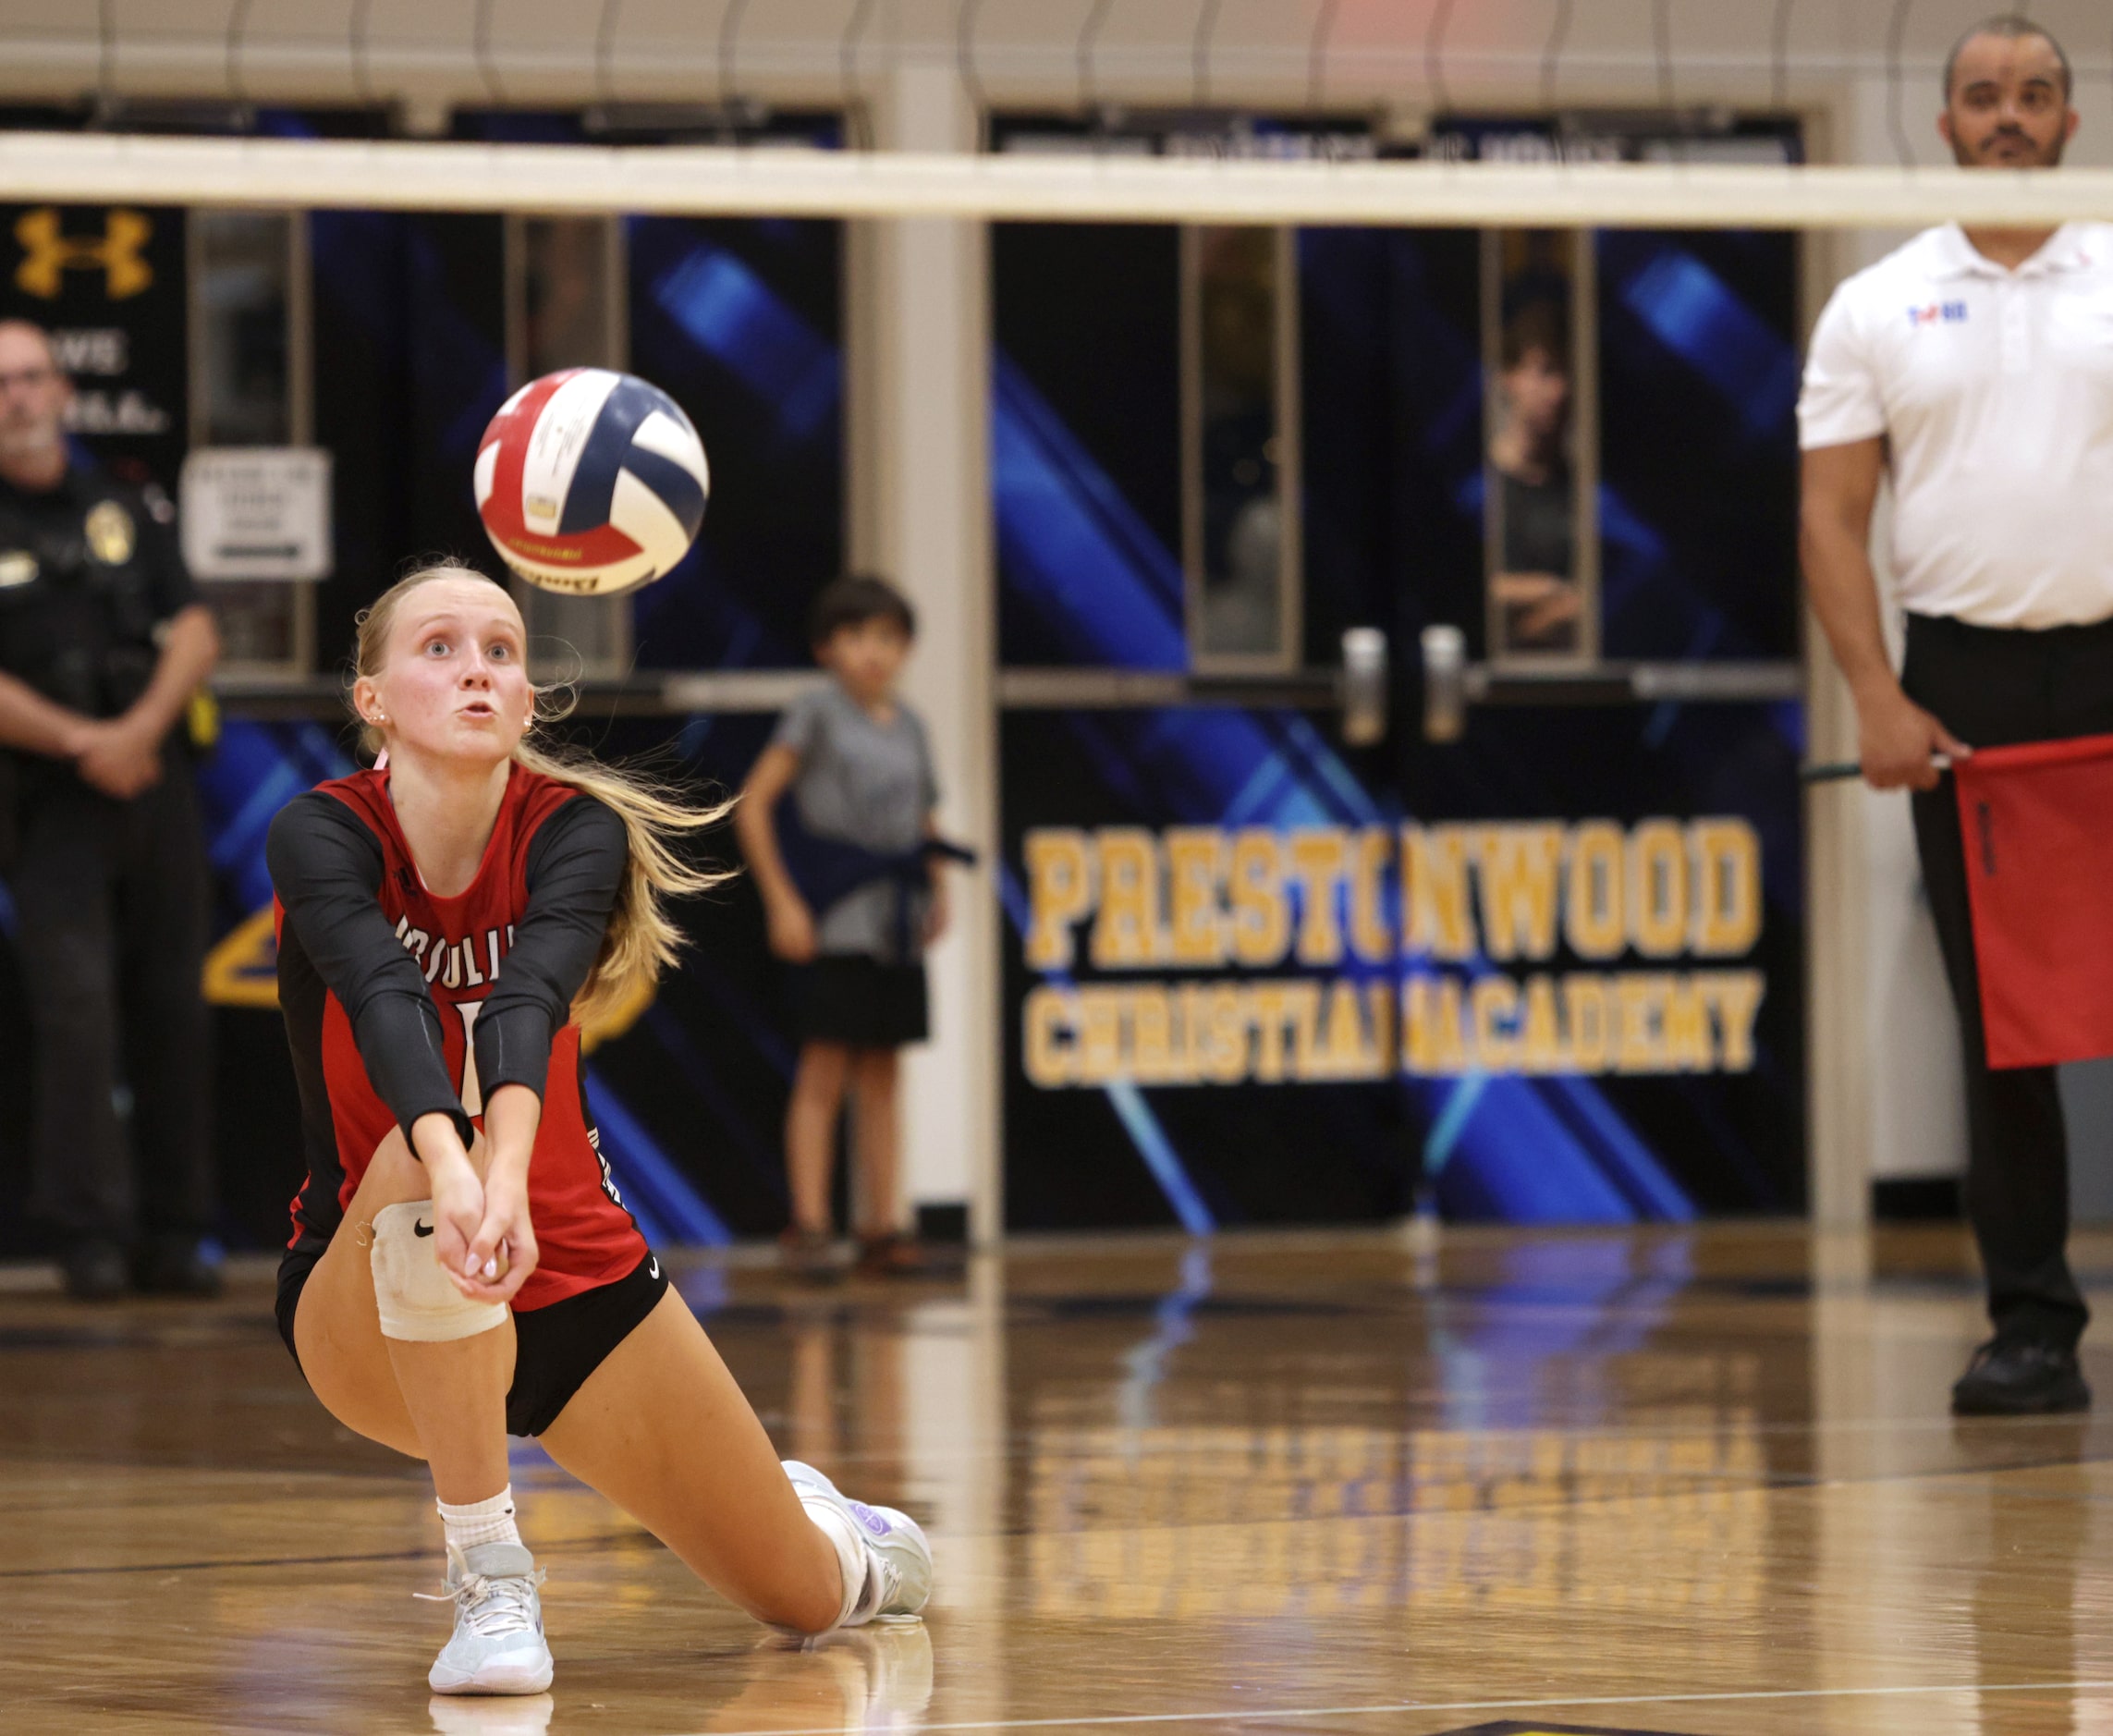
{"x":1662,"y":48}
{"x":238,"y":27}
{"x":356,"y":23}
{"x":729,"y":50}
{"x":1434,"y":56}
{"x":1199,"y":53}
{"x":1089,"y":68}
{"x":106,"y":56}
{"x":481,"y":46}
{"x":1552,"y":54}
{"x":605,"y":50}
{"x":1317,"y":52}
{"x":1780,"y":55}
{"x":1895,"y":36}
{"x":857,"y":123}
{"x":965,"y":64}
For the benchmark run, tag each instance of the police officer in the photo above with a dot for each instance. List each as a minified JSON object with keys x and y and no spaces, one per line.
{"x":102,"y":643}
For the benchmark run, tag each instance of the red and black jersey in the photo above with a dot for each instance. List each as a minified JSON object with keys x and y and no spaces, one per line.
{"x":400,"y":1003}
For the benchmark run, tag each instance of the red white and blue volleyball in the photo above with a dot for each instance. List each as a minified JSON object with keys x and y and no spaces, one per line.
{"x":590,"y":482}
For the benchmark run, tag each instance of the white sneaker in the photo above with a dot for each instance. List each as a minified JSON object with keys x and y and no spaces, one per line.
{"x":898,"y":1559}
{"x":498,"y":1645}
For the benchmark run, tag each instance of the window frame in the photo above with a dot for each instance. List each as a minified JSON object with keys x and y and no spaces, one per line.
{"x":300,"y":318}
{"x":1289,"y":652}
{"x":1584,"y":262}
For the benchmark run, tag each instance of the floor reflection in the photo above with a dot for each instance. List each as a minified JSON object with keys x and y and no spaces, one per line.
{"x":1699,"y":1480}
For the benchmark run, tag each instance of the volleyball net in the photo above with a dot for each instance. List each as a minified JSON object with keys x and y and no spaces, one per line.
{"x":1588,"y":282}
{"x":409,"y":174}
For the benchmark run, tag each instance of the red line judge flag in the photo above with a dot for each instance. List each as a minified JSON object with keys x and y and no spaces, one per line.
{"x":2038,"y":823}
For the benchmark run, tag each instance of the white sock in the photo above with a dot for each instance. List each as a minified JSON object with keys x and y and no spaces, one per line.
{"x":481,"y":1521}
{"x":852,"y":1561}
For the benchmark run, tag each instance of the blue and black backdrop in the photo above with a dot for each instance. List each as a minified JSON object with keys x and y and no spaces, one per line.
{"x":1657,"y":1074}
{"x":1299,"y":983}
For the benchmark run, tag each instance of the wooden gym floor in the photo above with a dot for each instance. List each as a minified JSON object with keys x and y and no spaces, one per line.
{"x":1693,"y":1482}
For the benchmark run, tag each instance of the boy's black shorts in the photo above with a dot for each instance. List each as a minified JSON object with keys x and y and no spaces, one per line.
{"x":555,"y":1347}
{"x":858,"y":1002}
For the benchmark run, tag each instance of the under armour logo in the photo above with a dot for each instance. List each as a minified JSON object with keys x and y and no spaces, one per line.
{"x":49,"y":254}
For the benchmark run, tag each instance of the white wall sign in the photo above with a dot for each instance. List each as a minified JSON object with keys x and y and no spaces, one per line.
{"x":257,"y":512}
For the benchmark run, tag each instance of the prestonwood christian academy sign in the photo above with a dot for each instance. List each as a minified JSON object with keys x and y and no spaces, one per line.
{"x":1223,"y":956}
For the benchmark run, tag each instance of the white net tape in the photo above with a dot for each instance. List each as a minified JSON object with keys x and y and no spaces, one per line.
{"x":413,"y":176}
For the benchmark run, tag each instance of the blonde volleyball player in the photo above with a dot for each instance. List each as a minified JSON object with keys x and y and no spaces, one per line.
{"x":461,"y":1265}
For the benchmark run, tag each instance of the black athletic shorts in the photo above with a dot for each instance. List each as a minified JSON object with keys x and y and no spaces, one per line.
{"x":555,"y":1347}
{"x":858,"y":1002}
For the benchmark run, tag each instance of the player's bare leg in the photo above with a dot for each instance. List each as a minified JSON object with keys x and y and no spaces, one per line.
{"x":662,"y":1431}
{"x":441,"y":1400}
{"x":337,"y":1328}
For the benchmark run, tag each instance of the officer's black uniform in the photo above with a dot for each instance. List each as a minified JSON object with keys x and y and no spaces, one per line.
{"x":110,"y":896}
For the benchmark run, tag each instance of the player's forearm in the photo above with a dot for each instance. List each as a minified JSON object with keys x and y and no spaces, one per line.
{"x":36,"y":725}
{"x":436,"y":1142}
{"x":189,"y":649}
{"x":512,"y":1115}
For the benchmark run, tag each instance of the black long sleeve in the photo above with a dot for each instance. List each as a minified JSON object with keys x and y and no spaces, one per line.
{"x":575,"y":865}
{"x":326,"y":867}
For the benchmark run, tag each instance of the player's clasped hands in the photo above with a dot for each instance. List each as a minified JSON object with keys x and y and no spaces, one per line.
{"x":483,"y":1237}
{"x":1901,"y":744}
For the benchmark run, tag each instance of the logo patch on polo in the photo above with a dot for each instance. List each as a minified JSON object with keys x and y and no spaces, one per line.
{"x":1938,"y":313}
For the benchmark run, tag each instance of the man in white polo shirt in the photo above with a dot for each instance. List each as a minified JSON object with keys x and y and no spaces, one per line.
{"x":1976,"y":369}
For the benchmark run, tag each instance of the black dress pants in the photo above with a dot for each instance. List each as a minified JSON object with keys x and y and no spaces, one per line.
{"x":111,"y":901}
{"x":1992,"y":687}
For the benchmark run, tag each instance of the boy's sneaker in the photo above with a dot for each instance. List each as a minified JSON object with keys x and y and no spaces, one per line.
{"x":498,"y":1645}
{"x":898,"y":1559}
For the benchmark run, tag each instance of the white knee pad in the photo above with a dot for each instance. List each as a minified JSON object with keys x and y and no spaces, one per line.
{"x":414,"y":1296}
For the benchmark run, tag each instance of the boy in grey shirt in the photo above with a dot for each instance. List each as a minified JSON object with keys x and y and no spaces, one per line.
{"x":853,"y":899}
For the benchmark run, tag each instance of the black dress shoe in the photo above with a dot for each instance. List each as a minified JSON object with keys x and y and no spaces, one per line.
{"x":2020,"y":1377}
{"x":172,"y":1265}
{"x":95,"y":1271}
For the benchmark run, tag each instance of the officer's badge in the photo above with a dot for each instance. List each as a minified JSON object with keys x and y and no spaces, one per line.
{"x":110,"y":533}
{"x":17,"y":566}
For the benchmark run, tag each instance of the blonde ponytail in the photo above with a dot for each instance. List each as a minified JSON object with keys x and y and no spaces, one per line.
{"x":640,"y":940}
